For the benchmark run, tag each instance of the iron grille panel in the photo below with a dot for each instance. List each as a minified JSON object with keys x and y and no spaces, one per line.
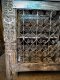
{"x":38,"y":36}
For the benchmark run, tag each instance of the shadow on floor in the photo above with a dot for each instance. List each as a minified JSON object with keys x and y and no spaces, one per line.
{"x":42,"y":75}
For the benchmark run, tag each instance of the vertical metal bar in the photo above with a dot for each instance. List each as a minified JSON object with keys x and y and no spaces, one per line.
{"x":58,"y":42}
{"x":37,"y":30}
{"x":23,"y":36}
{"x":18,"y":24}
{"x":18,"y":33}
{"x":50,"y":29}
{"x":37,"y":24}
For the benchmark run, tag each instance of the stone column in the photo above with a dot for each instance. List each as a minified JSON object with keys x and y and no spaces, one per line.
{"x":9,"y":25}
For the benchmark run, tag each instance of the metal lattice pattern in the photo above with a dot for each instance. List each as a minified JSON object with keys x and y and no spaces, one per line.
{"x":38,"y":36}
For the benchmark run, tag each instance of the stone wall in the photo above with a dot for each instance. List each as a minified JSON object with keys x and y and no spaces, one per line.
{"x":1,"y":33}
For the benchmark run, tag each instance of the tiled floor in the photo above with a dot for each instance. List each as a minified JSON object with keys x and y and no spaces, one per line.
{"x":30,"y":75}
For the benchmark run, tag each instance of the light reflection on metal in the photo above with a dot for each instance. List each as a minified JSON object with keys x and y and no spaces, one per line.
{"x":43,"y":5}
{"x":34,"y":17}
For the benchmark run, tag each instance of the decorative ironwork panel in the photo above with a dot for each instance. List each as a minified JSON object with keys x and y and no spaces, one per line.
{"x":38,"y":36}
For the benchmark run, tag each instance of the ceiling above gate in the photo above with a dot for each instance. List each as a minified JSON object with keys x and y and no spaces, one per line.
{"x":36,"y":0}
{"x":34,"y":4}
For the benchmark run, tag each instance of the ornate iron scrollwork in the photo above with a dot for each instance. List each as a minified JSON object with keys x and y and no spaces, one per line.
{"x":38,"y":38}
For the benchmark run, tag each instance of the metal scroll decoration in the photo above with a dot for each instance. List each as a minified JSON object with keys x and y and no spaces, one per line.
{"x":38,"y":36}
